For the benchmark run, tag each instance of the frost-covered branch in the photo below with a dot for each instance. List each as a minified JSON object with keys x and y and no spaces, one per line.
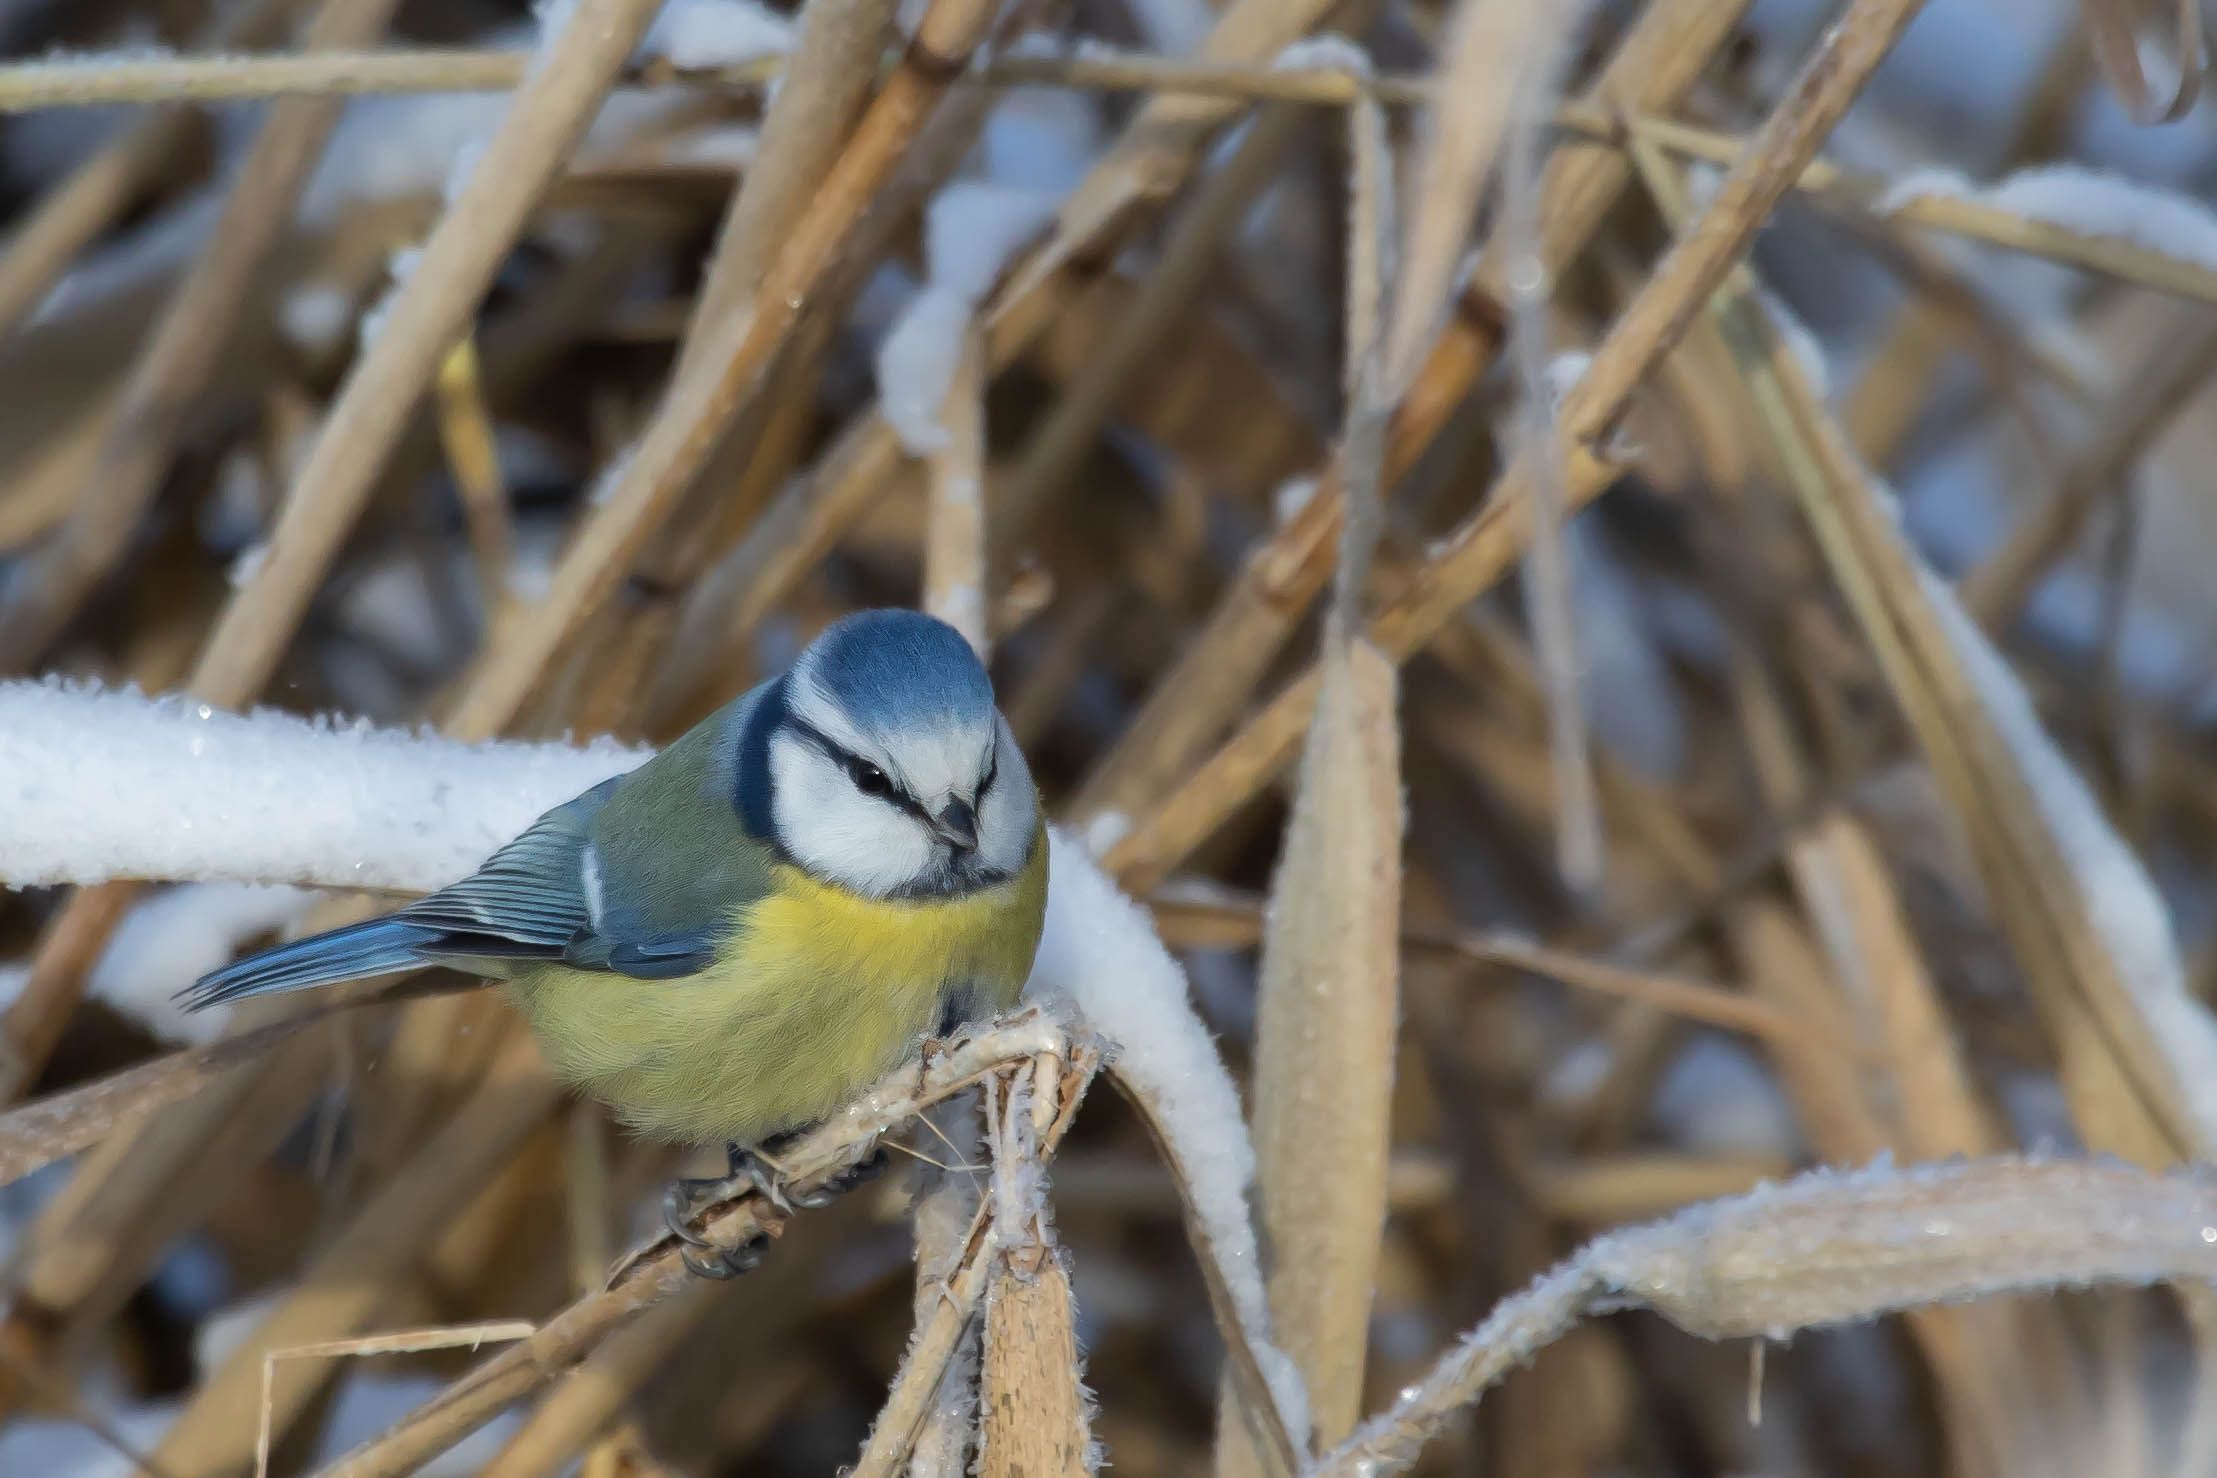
{"x":100,"y":785}
{"x":1828,"y":1248}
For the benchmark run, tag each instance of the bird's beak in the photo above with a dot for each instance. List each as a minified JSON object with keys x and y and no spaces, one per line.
{"x":957,"y":826}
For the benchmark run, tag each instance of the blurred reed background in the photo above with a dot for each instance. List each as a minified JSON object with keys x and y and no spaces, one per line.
{"x":1723,"y":466}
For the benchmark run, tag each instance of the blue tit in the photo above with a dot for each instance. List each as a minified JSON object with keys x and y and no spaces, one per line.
{"x":733,"y":940}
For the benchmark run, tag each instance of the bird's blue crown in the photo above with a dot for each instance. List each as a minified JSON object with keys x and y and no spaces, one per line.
{"x":895,"y":669}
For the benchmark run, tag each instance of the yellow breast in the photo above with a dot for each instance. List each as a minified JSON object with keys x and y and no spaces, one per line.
{"x":817,"y":993}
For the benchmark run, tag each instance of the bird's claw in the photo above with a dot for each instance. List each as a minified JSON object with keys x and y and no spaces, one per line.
{"x":684,"y":1200}
{"x":724,"y":1263}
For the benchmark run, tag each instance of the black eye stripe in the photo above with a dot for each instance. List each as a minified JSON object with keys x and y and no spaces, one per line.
{"x":855,"y":765}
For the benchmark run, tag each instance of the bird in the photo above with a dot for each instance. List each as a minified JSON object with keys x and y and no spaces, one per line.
{"x":733,"y":940}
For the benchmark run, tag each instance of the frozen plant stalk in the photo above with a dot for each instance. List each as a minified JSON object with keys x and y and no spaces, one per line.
{"x":1828,"y":1248}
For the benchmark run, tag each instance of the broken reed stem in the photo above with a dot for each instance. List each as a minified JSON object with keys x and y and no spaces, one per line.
{"x":1479,"y":551}
{"x":467,"y":436}
{"x":1031,"y":1406}
{"x":915,"y":1389}
{"x":397,"y":1342}
{"x":657,"y":1271}
{"x":1828,"y":1248}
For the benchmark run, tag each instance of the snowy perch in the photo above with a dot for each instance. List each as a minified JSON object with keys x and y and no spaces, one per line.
{"x":97,"y":786}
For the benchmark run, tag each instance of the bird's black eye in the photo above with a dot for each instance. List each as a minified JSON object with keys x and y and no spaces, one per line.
{"x":869,"y":779}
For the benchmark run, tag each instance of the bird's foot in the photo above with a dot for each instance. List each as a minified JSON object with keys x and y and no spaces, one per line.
{"x":723,"y":1263}
{"x":684,"y":1200}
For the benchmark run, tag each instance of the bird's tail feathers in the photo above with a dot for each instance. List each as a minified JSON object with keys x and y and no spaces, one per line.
{"x":376,"y":947}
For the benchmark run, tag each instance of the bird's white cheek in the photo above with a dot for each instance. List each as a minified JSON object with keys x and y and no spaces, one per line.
{"x":1005,"y":819}
{"x":838,"y":833}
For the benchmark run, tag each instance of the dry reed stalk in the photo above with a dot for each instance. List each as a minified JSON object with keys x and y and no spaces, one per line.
{"x":1324,"y":1041}
{"x":822,"y":91}
{"x":925,"y":1365}
{"x":397,"y":1342}
{"x":1488,"y":45}
{"x":1823,"y":1249}
{"x":549,"y":114}
{"x":1146,"y":166}
{"x":338,"y":475}
{"x":1159,"y":305}
{"x":1327,"y":1001}
{"x":74,"y":214}
{"x":1032,"y":1407}
{"x":732,"y":362}
{"x":1919,"y":1099}
{"x":657,"y":1272}
{"x":1894,"y":387}
{"x":36,"y":1135}
{"x":2125,"y":1091}
{"x":33,"y":1022}
{"x":2113,"y":28}
{"x":112,"y":81}
{"x":1479,"y":550}
{"x":954,"y":589}
{"x":1193,"y":703}
{"x":343,"y":1288}
{"x":1596,"y":1191}
{"x":584,"y":1401}
{"x":1230,"y":923}
{"x":2122,"y":1074}
{"x":174,"y":366}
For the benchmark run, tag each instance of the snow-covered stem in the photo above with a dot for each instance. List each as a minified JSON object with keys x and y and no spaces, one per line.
{"x":112,"y":784}
{"x":1828,"y":1248}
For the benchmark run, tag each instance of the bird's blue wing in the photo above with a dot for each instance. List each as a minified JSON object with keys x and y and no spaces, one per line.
{"x":528,"y":902}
